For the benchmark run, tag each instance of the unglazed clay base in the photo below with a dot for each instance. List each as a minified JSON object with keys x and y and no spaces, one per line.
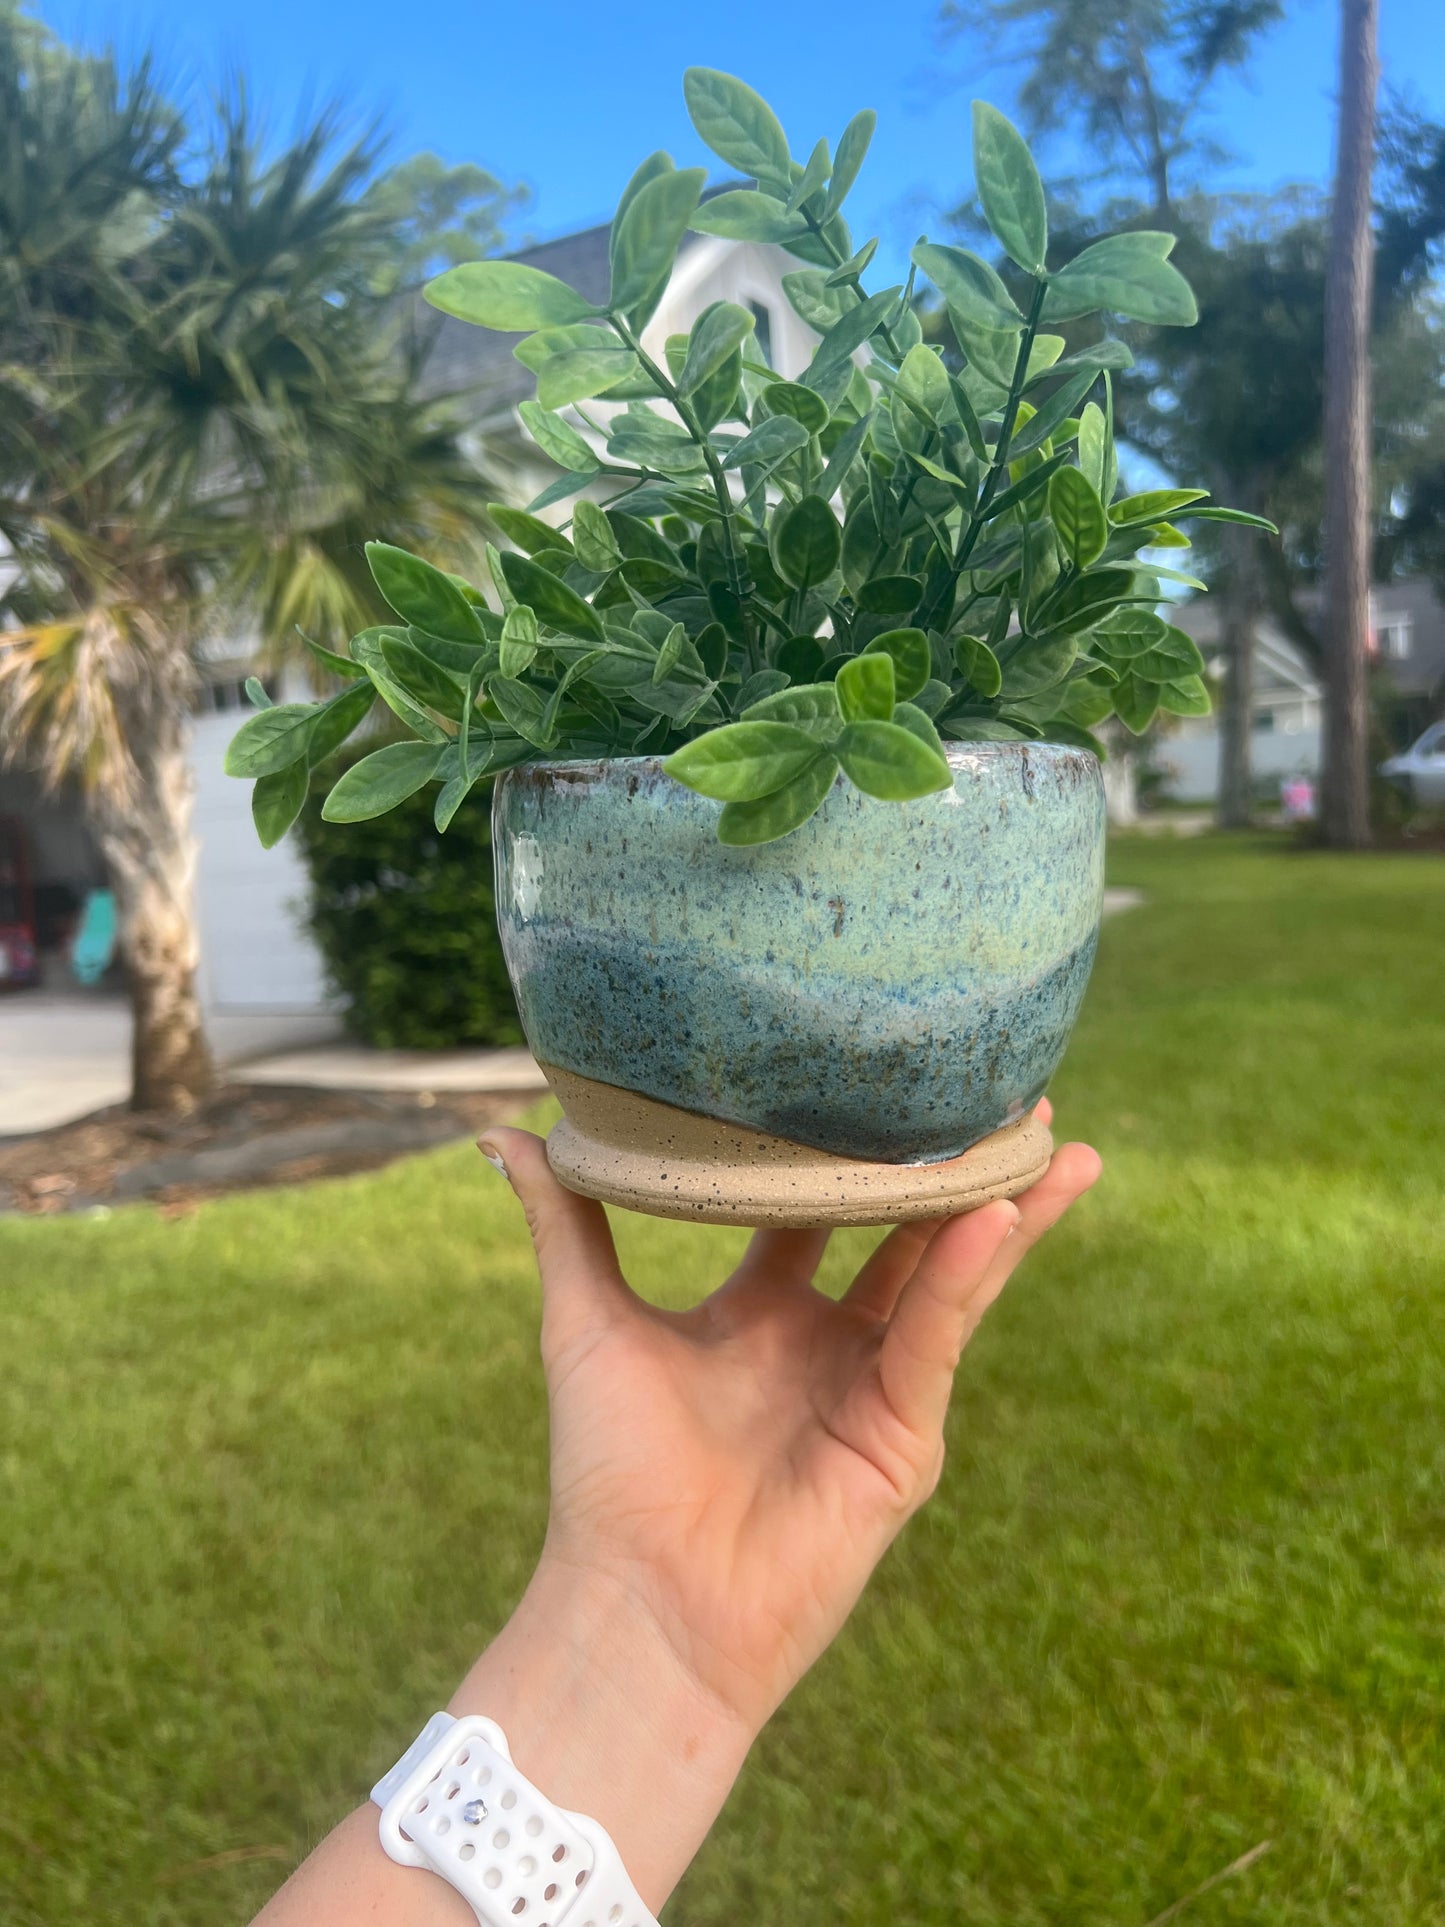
{"x":631,"y":1150}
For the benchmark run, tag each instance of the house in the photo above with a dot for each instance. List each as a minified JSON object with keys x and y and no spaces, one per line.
{"x":260,"y":973}
{"x":1407,"y":633}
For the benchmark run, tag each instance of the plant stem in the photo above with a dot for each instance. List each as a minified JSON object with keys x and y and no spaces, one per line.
{"x":737,"y":568}
{"x":971,"y":526}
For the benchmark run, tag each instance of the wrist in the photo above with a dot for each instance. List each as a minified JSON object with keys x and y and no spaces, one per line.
{"x":603,"y":1717}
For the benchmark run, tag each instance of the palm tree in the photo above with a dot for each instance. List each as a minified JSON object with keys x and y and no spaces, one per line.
{"x":204,"y":408}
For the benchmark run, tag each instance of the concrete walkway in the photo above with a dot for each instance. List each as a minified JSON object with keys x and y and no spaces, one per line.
{"x":64,"y":1054}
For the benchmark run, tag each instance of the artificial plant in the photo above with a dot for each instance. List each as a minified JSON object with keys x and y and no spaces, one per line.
{"x":768,"y":580}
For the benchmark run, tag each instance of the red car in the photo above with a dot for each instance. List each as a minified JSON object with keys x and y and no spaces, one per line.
{"x":19,"y":963}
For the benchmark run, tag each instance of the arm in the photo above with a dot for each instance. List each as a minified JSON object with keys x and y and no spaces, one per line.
{"x":724,"y":1480}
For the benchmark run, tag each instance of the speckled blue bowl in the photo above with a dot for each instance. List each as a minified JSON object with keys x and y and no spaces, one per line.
{"x":892,"y":981}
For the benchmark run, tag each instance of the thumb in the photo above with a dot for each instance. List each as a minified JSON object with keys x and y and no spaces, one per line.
{"x":582,"y":1283}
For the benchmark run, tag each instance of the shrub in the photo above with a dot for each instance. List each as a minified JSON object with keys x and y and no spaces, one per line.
{"x":404,"y":920}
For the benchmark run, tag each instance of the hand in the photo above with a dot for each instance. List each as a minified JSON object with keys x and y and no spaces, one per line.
{"x":737,"y":1470}
{"x":723,"y":1482}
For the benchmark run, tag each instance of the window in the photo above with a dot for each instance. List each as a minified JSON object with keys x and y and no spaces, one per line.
{"x":1392,"y":638}
{"x":763,"y":329}
{"x":228,"y":693}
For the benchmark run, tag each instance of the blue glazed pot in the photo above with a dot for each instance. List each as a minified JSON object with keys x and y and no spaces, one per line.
{"x":892,"y":981}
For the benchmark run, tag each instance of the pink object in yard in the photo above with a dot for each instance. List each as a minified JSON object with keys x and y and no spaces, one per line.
{"x":1297,"y":799}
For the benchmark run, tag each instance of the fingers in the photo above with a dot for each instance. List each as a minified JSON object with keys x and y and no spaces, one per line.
{"x":875,"y":1290}
{"x":936,"y":1315}
{"x":1044,"y":1111}
{"x":581,"y":1279}
{"x":780,"y":1256}
{"x":1072,"y":1170}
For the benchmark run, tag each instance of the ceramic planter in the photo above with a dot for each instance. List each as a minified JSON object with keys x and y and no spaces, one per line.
{"x":881,"y":990}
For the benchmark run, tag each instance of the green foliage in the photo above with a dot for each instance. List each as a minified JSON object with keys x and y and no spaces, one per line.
{"x":405,"y":923}
{"x":901,"y":553}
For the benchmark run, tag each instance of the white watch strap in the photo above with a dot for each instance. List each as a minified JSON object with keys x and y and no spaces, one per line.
{"x":455,"y":1803}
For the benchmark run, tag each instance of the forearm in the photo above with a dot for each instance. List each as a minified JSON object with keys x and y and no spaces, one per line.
{"x":600,"y":1715}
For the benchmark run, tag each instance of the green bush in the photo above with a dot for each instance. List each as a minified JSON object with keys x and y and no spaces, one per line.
{"x":404,"y":920}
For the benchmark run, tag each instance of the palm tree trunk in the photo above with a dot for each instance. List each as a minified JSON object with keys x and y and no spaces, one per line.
{"x":150,"y":850}
{"x":1345,"y":800}
{"x":1240,"y":613}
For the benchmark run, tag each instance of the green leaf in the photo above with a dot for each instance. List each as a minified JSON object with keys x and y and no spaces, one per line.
{"x":645,"y":240}
{"x":924,"y":385}
{"x":669,"y":655}
{"x":643,"y":439}
{"x":557,"y":439}
{"x":1153,"y":504}
{"x":766,"y":818}
{"x":815,"y":300}
{"x":1051,"y":414}
{"x":1184,"y":696}
{"x":337,"y":719}
{"x":338,"y":665}
{"x":968,"y":284}
{"x":271,"y":740}
{"x":1085,"y":601}
{"x":847,"y":335}
{"x":574,"y":364}
{"x":1125,"y":274}
{"x":806,"y":543}
{"x":556,"y":606}
{"x":380,"y":781}
{"x":809,"y":706}
{"x":978,"y":666}
{"x":423,"y":596}
{"x":737,"y":124}
{"x":1009,"y":188}
{"x":813,"y":178}
{"x":1173,"y":657}
{"x":523,"y":709}
{"x":277,"y":801}
{"x":419,"y":676}
{"x":743,"y":761}
{"x":519,"y":642}
{"x":718,"y":330}
{"x":855,"y":266}
{"x":1032,"y":666}
{"x":593,"y":539}
{"x":1078,"y":516}
{"x":506,"y":295}
{"x":1128,"y":633}
{"x":866,"y":688}
{"x":889,"y":595}
{"x":748,"y":214}
{"x":528,"y":532}
{"x":889,"y":761}
{"x":1102,"y":356}
{"x":920,"y":724}
{"x":801,"y":404}
{"x":256,"y":693}
{"x":769,"y":443}
{"x":1240,"y":516}
{"x":1091,"y":446}
{"x":984,"y":729}
{"x":911,"y":657}
{"x":852,"y":149}
{"x":1135,"y":702}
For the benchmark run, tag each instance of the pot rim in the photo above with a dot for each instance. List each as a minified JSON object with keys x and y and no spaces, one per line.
{"x":957,"y":754}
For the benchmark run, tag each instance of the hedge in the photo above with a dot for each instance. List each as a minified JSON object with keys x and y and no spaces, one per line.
{"x":404,"y":922}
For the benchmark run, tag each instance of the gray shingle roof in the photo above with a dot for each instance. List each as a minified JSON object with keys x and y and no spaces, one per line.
{"x":462,"y":356}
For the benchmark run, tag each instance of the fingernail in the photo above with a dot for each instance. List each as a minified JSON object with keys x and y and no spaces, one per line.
{"x":493,"y":1156}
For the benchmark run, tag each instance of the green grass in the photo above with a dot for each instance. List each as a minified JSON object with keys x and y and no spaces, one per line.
{"x":271,"y":1474}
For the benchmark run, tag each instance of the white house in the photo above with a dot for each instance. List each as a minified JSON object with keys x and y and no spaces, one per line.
{"x":257,"y":963}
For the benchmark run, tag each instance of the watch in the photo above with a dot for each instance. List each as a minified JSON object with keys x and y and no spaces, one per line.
{"x":455,"y":1803}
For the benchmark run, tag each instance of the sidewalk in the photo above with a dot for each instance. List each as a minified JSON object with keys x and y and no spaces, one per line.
{"x":66,"y":1054}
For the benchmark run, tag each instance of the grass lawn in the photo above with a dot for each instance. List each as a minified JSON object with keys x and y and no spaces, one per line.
{"x":1182,"y":1590}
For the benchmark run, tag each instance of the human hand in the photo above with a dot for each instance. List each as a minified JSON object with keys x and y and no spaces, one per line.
{"x":737,"y":1470}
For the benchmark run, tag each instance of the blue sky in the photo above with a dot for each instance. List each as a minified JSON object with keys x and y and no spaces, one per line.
{"x":567,"y":97}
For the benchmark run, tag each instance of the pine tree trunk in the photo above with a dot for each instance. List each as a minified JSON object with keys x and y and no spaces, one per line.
{"x":1240,"y":612}
{"x":150,"y":851}
{"x":1345,"y":800}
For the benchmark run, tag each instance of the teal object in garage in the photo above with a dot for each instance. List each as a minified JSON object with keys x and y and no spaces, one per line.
{"x":892,"y":981}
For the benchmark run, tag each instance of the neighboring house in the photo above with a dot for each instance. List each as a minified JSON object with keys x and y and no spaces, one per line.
{"x":1407,"y":630}
{"x":257,"y":963}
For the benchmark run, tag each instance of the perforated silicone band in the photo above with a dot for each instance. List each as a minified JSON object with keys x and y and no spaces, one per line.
{"x":455,"y":1803}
